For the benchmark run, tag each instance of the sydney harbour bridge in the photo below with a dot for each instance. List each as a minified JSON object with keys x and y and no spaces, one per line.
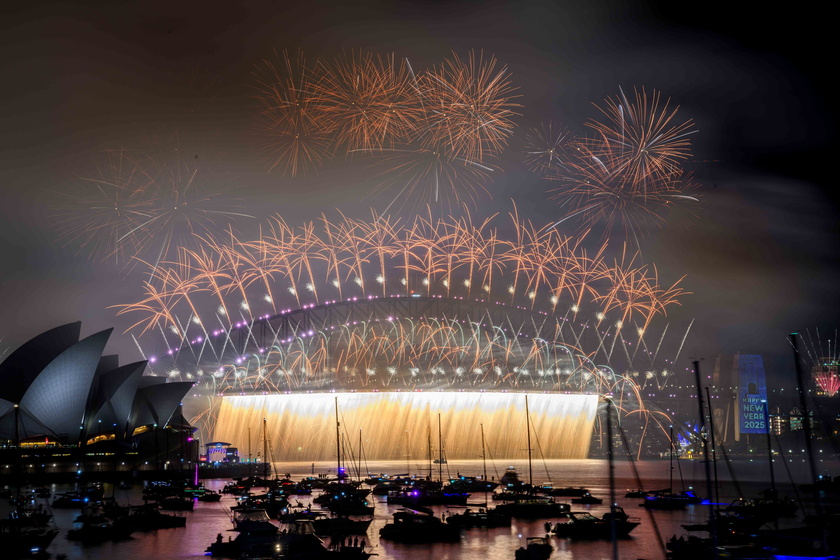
{"x":388,"y":360}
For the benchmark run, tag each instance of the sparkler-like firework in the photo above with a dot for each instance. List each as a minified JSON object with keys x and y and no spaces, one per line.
{"x":822,"y":358}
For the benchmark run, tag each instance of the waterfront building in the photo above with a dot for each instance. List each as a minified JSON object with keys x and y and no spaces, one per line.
{"x":66,"y":409}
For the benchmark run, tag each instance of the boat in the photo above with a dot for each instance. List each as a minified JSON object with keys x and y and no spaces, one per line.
{"x":340,"y":525}
{"x":210,"y":496}
{"x":479,"y":518}
{"x":426,"y":497}
{"x":419,"y":526}
{"x":149,"y":518}
{"x":566,"y":491}
{"x":510,"y":479}
{"x":471,"y":484}
{"x":95,"y":529}
{"x":536,"y":548}
{"x":584,"y":525}
{"x":68,"y":500}
{"x":301,"y":543}
{"x":587,"y":498}
{"x":766,"y":508}
{"x":177,"y":503}
{"x":253,"y":520}
{"x":534,"y":507}
{"x":665,"y":501}
{"x":246,"y":542}
{"x":22,"y":541}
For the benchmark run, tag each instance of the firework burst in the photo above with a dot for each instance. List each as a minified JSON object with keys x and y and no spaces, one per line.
{"x":595,"y":190}
{"x":100,"y":215}
{"x":297,"y":137}
{"x":368,"y":102}
{"x":546,"y":149}
{"x":642,"y":136}
{"x":469,"y":107}
{"x":627,"y":174}
{"x":139,"y":207}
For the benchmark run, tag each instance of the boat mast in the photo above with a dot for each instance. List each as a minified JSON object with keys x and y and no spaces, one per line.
{"x":440,"y":453}
{"x":429,"y":445}
{"x":265,"y":449}
{"x":528,"y":429}
{"x":705,"y":440}
{"x":337,"y":442}
{"x":671,"y":459}
{"x":484,"y":463}
{"x":483,"y":454}
{"x":714,"y":444}
{"x":613,"y":528}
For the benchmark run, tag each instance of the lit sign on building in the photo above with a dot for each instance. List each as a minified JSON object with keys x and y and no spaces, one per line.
{"x":752,"y":394}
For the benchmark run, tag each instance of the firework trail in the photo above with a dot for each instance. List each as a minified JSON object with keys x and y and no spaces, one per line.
{"x":821,"y":357}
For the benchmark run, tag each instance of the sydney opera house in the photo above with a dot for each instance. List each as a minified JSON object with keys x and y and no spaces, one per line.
{"x":65,"y":408}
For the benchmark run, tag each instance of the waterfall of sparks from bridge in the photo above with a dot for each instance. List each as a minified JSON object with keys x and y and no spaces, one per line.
{"x":398,"y":426}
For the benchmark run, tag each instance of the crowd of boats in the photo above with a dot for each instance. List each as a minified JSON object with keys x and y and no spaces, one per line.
{"x":269,"y":519}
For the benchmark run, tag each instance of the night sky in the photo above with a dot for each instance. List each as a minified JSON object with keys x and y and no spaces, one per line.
{"x":759,"y":256}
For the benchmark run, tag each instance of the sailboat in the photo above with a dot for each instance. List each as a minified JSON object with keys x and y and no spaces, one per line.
{"x":667,"y":499}
{"x":342,"y":497}
{"x":532,"y":506}
{"x":428,"y":492}
{"x":615,"y":524}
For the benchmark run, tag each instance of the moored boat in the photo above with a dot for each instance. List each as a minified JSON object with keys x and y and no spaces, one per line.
{"x":419,"y":526}
{"x":583,"y":525}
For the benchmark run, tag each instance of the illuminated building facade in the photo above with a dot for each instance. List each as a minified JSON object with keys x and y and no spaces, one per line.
{"x":64,"y":407}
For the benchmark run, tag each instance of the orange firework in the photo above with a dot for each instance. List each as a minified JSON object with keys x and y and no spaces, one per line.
{"x":595,"y":188}
{"x":368,"y":102}
{"x":642,"y":137}
{"x":537,"y":268}
{"x":297,"y":138}
{"x":469,"y":107}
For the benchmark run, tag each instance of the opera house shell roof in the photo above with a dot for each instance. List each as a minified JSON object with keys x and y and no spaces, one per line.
{"x":58,"y":386}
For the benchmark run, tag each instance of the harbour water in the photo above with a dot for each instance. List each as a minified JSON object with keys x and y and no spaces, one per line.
{"x":745,"y":478}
